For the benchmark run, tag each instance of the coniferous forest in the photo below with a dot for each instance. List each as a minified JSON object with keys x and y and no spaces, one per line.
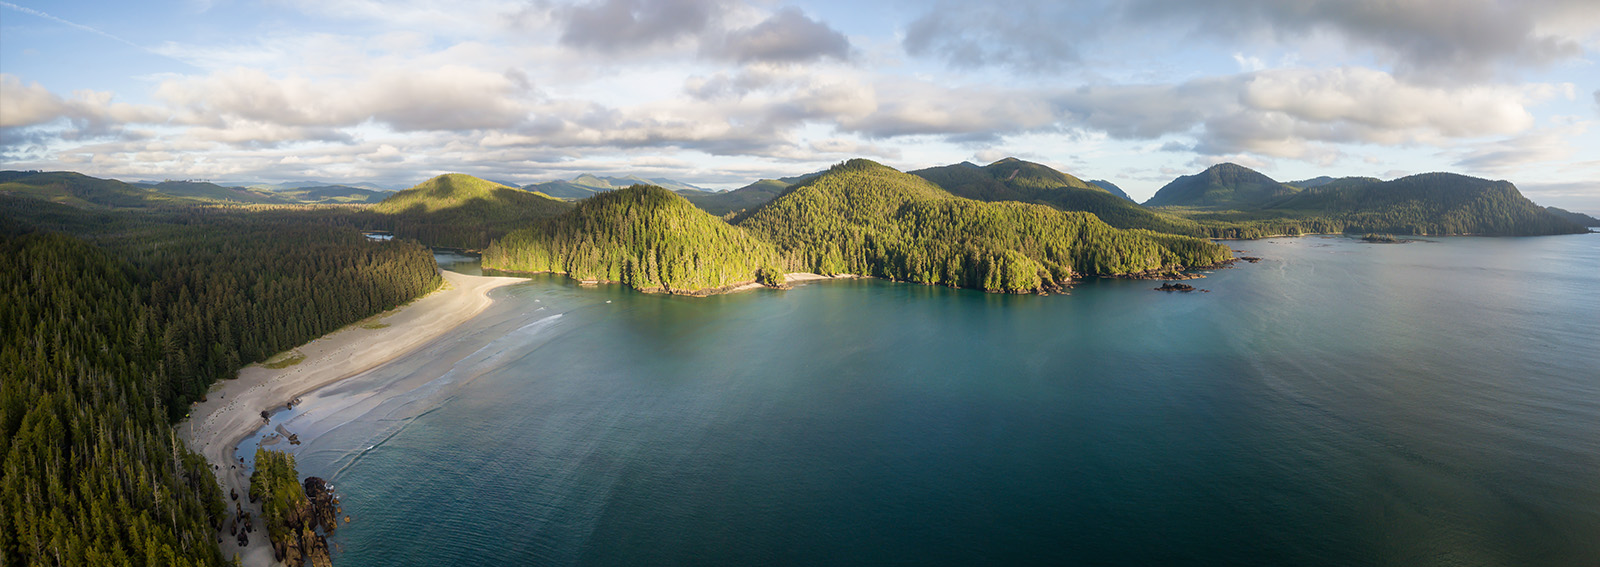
{"x":114,"y":322}
{"x":646,"y":237}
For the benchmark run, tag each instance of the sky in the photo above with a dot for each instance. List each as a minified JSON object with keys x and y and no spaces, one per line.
{"x":720,"y":93}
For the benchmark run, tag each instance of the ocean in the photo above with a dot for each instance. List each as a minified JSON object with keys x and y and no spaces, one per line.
{"x":1337,"y":403}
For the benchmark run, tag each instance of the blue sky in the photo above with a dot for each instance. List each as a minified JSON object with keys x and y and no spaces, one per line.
{"x":722,"y":92}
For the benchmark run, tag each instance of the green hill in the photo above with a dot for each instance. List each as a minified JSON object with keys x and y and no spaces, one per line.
{"x":1580,"y":218}
{"x":1112,"y":187}
{"x":865,"y":218}
{"x":646,"y":237}
{"x":79,"y":190}
{"x":1012,"y":179}
{"x":461,"y":211}
{"x":1430,"y":203}
{"x":1426,"y":204}
{"x":1224,"y":186}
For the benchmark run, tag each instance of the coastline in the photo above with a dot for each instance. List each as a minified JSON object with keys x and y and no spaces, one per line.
{"x":233,"y":407}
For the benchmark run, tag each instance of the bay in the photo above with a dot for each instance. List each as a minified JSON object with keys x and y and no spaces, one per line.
{"x":1338,"y":403}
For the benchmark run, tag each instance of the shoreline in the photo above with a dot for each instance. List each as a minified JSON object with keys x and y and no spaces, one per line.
{"x":232,"y":410}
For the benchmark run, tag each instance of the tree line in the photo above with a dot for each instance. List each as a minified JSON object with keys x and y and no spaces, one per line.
{"x":114,"y":323}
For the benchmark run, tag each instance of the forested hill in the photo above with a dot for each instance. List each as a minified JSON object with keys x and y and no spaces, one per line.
{"x":1222,"y":186}
{"x":643,"y":236}
{"x":461,"y":211}
{"x":1580,"y":218}
{"x":865,"y":218}
{"x":1429,"y":203}
{"x":1230,"y":201}
{"x":1012,"y":179}
{"x":110,"y":333}
{"x":79,"y":190}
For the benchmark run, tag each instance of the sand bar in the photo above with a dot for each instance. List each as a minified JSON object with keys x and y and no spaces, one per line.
{"x":233,"y":408}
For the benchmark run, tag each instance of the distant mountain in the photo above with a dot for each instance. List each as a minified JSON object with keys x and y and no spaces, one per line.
{"x":462,"y":211}
{"x":1579,"y":218}
{"x":1426,"y":204}
{"x":1012,"y":179}
{"x":643,"y":236}
{"x":1326,"y":182}
{"x":276,"y":187}
{"x":864,"y":218}
{"x":1313,"y":182}
{"x":328,"y":194}
{"x":1221,"y":187}
{"x":586,"y":185}
{"x":744,"y":198}
{"x":1112,"y":187}
{"x":216,"y":193}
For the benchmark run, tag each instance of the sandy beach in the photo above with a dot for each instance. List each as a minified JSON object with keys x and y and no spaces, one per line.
{"x":792,"y":278}
{"x":233,"y":408}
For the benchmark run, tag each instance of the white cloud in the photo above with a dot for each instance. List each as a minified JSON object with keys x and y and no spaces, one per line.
{"x":444,"y":98}
{"x":92,"y":112}
{"x":1516,"y":153}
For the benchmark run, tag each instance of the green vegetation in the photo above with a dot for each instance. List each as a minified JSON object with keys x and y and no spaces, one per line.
{"x":80,"y":190}
{"x":460,"y":211}
{"x":864,"y":218}
{"x":291,"y":513}
{"x":213,"y":193}
{"x":113,"y":330}
{"x":646,"y":237}
{"x":1379,"y":238}
{"x":333,"y":194}
{"x":276,"y":484}
{"x":286,"y":360}
{"x":1012,"y":179}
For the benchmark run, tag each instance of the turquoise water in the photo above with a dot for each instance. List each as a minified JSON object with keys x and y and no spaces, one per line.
{"x":1339,"y":403}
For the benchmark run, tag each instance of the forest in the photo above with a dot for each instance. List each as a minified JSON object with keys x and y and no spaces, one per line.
{"x":646,"y":237}
{"x":123,"y":305}
{"x":115,"y":322}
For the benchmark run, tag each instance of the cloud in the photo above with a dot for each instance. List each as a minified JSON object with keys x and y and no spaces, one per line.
{"x":613,"y":26}
{"x":443,"y":98}
{"x":1437,"y":39}
{"x":1597,"y":101}
{"x":1517,"y":152}
{"x":1027,"y":36}
{"x":89,"y":112}
{"x":788,"y":36}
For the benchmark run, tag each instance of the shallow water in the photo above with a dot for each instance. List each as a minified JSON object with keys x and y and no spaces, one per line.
{"x":1339,"y":403}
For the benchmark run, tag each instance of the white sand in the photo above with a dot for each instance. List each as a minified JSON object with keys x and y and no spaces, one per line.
{"x":233,"y":408}
{"x":792,"y":278}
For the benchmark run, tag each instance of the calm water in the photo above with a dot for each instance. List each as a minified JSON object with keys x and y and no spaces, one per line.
{"x":1340,"y":403}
